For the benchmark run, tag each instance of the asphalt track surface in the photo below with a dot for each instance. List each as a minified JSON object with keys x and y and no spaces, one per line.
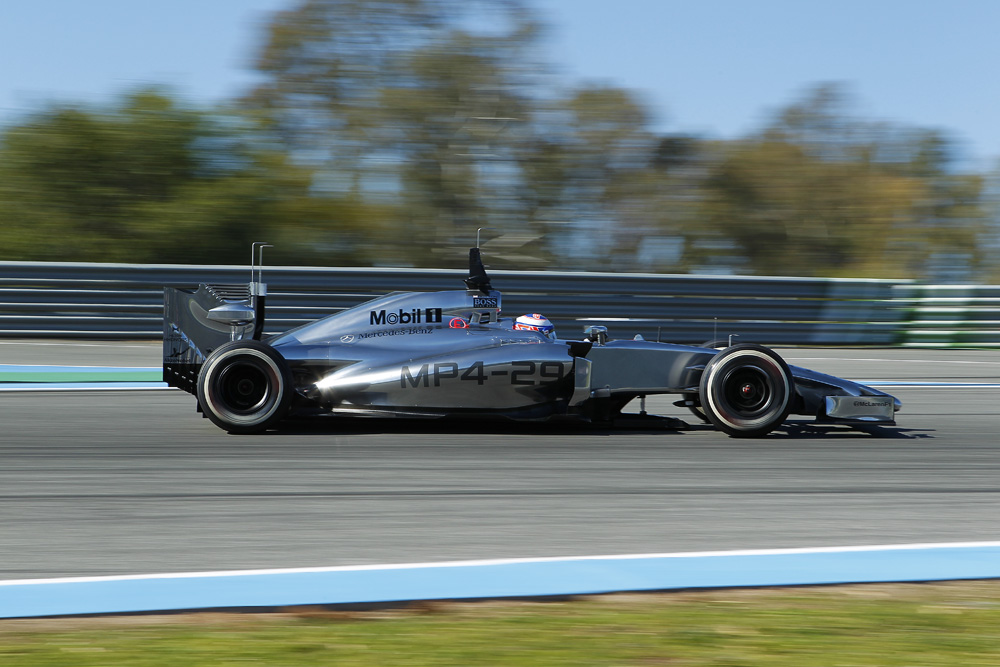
{"x":102,"y":483}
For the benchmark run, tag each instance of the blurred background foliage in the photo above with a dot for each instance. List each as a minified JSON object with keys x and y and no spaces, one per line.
{"x":385,"y":132}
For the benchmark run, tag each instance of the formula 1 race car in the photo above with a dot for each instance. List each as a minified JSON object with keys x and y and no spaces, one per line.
{"x":444,"y":354}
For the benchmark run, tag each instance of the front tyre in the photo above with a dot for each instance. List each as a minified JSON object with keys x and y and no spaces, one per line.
{"x":746,"y":390}
{"x":245,"y":387}
{"x":694,"y":400}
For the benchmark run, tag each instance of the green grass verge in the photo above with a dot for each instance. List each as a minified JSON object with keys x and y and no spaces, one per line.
{"x":887,"y":625}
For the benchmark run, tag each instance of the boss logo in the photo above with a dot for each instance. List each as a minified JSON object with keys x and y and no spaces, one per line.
{"x":485,"y":302}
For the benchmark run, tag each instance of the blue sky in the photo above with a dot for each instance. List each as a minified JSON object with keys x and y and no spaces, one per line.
{"x":715,"y":67}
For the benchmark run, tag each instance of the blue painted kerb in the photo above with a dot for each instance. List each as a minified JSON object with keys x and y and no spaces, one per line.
{"x":494,"y":579}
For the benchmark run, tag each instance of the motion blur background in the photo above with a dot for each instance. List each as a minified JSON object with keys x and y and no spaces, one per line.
{"x":766,"y":138}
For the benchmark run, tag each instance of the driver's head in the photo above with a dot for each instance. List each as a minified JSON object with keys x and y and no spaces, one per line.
{"x":536,"y":322}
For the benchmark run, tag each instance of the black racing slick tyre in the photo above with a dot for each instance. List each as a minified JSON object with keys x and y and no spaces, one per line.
{"x":746,"y":390}
{"x":245,"y":387}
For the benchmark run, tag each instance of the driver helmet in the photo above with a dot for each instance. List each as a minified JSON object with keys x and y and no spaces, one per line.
{"x":536,"y":322}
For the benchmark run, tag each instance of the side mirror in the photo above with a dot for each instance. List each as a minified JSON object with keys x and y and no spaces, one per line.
{"x":233,"y":314}
{"x":596,"y":334}
{"x":237,"y":315}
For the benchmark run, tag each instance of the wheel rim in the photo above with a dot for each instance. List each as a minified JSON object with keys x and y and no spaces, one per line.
{"x":243,"y":387}
{"x":748,"y":391}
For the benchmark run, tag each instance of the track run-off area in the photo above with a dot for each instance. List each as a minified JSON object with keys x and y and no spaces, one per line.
{"x":98,"y":483}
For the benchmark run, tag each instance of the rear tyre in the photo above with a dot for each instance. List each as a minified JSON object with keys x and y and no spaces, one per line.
{"x":245,"y":387}
{"x":746,"y":390}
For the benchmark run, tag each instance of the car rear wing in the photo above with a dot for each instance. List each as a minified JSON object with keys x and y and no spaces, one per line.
{"x":198,"y":320}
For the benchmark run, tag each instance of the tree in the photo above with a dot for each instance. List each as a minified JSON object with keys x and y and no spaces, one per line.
{"x":389,"y":131}
{"x":420,"y":102}
{"x":820,"y":193}
{"x":149,"y":181}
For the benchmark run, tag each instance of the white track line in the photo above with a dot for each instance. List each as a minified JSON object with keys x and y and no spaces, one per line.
{"x":510,"y":561}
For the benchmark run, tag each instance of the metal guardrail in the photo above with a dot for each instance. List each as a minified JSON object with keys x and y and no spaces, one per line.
{"x":122,"y":301}
{"x":952,"y":316}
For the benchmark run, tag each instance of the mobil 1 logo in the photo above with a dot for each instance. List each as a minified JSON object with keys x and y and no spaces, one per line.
{"x":412,"y":316}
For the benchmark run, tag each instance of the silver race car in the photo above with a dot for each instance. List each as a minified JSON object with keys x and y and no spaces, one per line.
{"x":448,"y":354}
